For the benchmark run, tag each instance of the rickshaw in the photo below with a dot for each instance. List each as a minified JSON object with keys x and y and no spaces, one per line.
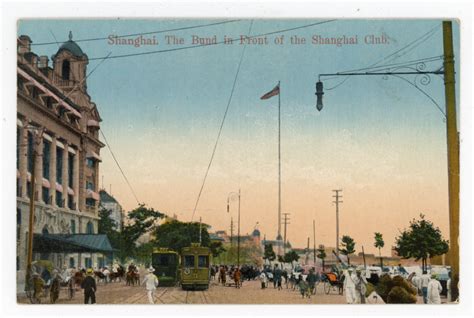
{"x":332,"y":282}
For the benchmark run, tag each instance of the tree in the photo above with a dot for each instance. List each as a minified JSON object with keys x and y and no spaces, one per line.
{"x":420,"y":241}
{"x":379,"y":243}
{"x":347,"y":247}
{"x":106,"y":224}
{"x":269,"y":253}
{"x":217,"y":248}
{"x":321,"y":254}
{"x":291,"y":257}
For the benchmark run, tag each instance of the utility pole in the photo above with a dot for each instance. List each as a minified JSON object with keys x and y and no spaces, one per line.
{"x":314,"y":243}
{"x":337,"y":201}
{"x":238,"y":235}
{"x":231,"y":231}
{"x":200,"y":230}
{"x":453,"y":155}
{"x":285,"y":223}
{"x":307,"y":252}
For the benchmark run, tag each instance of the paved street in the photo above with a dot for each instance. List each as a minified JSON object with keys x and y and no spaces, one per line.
{"x":250,"y":293}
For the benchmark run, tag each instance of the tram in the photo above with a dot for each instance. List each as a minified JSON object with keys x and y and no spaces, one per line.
{"x":195,"y":267}
{"x":166,"y":265}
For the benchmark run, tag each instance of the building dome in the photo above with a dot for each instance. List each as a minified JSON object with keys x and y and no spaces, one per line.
{"x":71,"y":47}
{"x":256,"y":233}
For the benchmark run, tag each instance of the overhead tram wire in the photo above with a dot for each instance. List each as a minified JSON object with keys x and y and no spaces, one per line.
{"x":144,"y":33}
{"x":203,"y":45}
{"x":393,"y":56}
{"x":222,"y":125}
{"x":120,"y":168}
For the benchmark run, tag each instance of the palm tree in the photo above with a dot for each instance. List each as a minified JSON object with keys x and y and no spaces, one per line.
{"x":347,"y":247}
{"x":379,"y":243}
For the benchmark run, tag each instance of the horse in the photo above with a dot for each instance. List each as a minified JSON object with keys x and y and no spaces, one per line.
{"x":113,"y":276}
{"x":133,"y":277}
{"x":78,"y":278}
{"x":100,"y":276}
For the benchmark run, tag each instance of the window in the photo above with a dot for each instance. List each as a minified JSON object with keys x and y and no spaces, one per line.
{"x":203,"y":261}
{"x":46,"y":158}
{"x":72,"y":262}
{"x":45,"y":195}
{"x":73,"y":226}
{"x":90,"y":185}
{"x":28,"y":189}
{"x":35,"y":92}
{"x":188,"y":261}
{"x":18,"y":142}
{"x":88,"y":262}
{"x":49,"y":102}
{"x":89,"y":228}
{"x":30,"y":152}
{"x":90,"y":162}
{"x":18,"y":263}
{"x":59,"y":199}
{"x":18,"y":187}
{"x":90,"y":202}
{"x":70,"y":202}
{"x":66,"y":69}
{"x":70,"y":170}
{"x":59,"y":165}
{"x":18,"y":224}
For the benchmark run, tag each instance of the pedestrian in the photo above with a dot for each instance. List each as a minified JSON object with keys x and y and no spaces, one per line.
{"x":425,"y":279}
{"x":263,"y":280}
{"x":106,"y":273}
{"x":349,"y":286}
{"x":90,"y":287}
{"x":237,"y":276}
{"x":38,"y":287}
{"x":292,"y":281}
{"x":360,"y":287}
{"x":311,"y":279}
{"x":277,"y":277}
{"x":448,"y":287}
{"x":222,"y":275}
{"x":303,"y":286}
{"x":434,"y":290}
{"x":416,"y":280}
{"x":151,"y":282}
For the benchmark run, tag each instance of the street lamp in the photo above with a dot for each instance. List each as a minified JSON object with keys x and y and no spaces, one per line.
{"x":448,"y":74}
{"x":229,"y":196}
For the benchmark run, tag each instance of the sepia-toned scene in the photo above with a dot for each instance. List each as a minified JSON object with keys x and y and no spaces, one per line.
{"x":237,"y":161}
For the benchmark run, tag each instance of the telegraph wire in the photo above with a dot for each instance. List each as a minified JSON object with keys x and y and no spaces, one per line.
{"x":210,"y":44}
{"x":118,"y":165}
{"x":143,"y":33}
{"x":202,"y":45}
{"x":222,"y":124}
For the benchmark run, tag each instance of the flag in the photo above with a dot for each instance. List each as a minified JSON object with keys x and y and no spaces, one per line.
{"x":273,"y":92}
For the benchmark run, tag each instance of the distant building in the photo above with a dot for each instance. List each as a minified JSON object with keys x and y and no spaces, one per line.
{"x":108,"y":202}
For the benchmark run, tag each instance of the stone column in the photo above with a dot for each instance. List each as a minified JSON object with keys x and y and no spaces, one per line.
{"x":38,"y":147}
{"x":52,"y":171}
{"x":23,"y":160}
{"x":65,"y":174}
{"x":76,"y":178}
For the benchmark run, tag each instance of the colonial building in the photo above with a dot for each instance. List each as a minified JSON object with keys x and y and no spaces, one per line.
{"x":57,"y":120}
{"x":107,"y":201}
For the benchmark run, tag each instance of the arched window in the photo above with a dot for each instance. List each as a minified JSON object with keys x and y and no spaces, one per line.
{"x":66,"y":69}
{"x":45,"y":230}
{"x":89,"y":228}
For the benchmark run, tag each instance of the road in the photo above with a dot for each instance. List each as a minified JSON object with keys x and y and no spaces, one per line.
{"x":249,"y":293}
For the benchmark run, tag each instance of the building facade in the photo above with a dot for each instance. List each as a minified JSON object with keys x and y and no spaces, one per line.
{"x":108,"y":202}
{"x":57,"y":121}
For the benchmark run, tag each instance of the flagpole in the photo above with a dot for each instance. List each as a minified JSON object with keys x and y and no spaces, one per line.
{"x":279,"y":162}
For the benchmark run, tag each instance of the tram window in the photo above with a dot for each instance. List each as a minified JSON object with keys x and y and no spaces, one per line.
{"x":188,"y":261}
{"x":203,"y":261}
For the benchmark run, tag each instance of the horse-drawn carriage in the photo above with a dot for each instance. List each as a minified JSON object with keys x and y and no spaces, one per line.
{"x":44,"y":280}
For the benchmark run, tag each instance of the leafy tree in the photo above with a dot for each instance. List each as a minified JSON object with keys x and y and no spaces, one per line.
{"x":106,"y":224}
{"x":420,"y":241}
{"x":269,"y":253}
{"x":322,"y":254}
{"x":143,"y":253}
{"x":347,"y":247}
{"x":291,"y":257}
{"x":217,"y":248}
{"x":379,"y":243}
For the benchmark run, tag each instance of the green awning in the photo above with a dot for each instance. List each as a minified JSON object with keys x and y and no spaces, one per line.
{"x":72,"y":243}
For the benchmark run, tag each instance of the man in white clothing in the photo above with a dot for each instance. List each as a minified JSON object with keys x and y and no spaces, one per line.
{"x":151,"y":282}
{"x":434,"y":291}
{"x":425,"y":279}
{"x":349,"y":286}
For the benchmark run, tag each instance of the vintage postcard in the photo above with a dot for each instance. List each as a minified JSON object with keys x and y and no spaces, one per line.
{"x":237,"y":161}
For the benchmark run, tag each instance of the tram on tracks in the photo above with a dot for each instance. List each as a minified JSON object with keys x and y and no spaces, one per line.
{"x":166,"y":265}
{"x":195,"y":267}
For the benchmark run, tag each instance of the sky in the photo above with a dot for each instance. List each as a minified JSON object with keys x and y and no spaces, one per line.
{"x":377,"y":138}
